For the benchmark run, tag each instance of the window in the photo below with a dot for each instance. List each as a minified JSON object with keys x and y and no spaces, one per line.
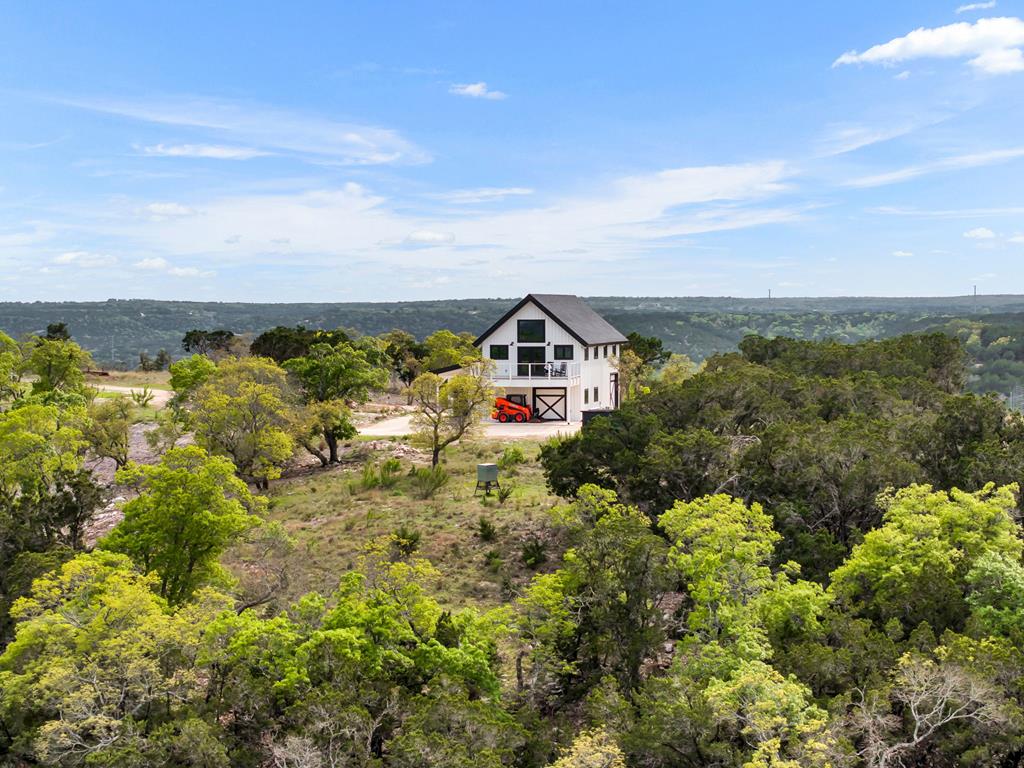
{"x":606,"y":350}
{"x":499,"y":352}
{"x":586,"y":396}
{"x":586,"y":353}
{"x":596,"y":398}
{"x":563,"y":351}
{"x":614,"y":350}
{"x":530,"y":361}
{"x":530,"y":331}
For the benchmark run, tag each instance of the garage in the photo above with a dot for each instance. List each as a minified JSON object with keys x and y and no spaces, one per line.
{"x":550,"y":403}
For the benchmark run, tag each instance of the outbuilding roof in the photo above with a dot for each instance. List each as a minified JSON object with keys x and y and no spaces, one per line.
{"x":570,"y":312}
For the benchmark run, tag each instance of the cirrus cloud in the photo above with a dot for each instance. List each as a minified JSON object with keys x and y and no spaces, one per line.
{"x":476,"y":91}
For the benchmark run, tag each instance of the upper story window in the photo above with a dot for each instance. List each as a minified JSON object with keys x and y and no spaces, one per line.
{"x":586,"y":353}
{"x":605,"y":350}
{"x":499,"y":352}
{"x":563,"y":351}
{"x":530,"y":331}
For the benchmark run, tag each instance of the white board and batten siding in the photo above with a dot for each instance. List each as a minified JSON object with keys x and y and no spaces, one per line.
{"x":589,"y":380}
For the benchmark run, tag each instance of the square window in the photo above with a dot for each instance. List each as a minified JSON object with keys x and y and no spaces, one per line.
{"x":530,"y":331}
{"x":563,"y":351}
{"x":499,"y":352}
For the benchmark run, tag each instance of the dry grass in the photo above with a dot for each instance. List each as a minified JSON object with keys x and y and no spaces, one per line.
{"x":152,"y":379}
{"x":332,"y":518}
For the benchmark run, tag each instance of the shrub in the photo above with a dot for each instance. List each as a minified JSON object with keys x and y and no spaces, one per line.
{"x":389,"y":471}
{"x":486,"y":530}
{"x":511,"y":458}
{"x":427,"y":481}
{"x":371,"y":478}
{"x":534,"y":553}
{"x":493,"y":560}
{"x":504,"y":492}
{"x":406,"y":540}
{"x":142,"y":397}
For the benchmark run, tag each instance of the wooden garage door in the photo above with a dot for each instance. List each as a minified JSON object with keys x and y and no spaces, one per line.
{"x":550,"y":404}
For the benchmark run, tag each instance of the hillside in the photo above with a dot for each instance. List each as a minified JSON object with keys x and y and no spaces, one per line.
{"x":115,"y":331}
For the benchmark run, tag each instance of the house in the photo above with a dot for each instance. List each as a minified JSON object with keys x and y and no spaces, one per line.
{"x":555,"y":354}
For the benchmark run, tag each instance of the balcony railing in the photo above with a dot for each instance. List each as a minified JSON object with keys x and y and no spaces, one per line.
{"x":556,"y":369}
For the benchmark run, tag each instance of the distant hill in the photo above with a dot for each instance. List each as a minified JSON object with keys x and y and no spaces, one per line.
{"x":115,"y":331}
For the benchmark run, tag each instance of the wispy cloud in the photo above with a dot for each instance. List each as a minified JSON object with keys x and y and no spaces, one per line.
{"x":947,"y":213}
{"x":979,"y":233}
{"x":205,"y":151}
{"x":992,"y":46}
{"x":902,"y":254}
{"x":957,"y":162}
{"x":265,"y":130}
{"x":159,"y":211}
{"x":160,"y":264}
{"x":430,"y":237}
{"x":976,"y":7}
{"x":85,"y":259}
{"x":476,"y":91}
{"x":481,"y":195}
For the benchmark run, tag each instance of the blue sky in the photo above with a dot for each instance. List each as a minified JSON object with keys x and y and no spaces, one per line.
{"x":375,"y":151}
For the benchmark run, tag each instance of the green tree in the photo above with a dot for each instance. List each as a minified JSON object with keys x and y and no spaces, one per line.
{"x":57,"y":332}
{"x":199,"y":342}
{"x":650,"y":350}
{"x":102,"y":673}
{"x":189,"y":510}
{"x":11,"y":367}
{"x":592,"y":749}
{"x":330,"y":378}
{"x":449,"y":409}
{"x":245,"y":411}
{"x":59,"y":366}
{"x":405,"y":354}
{"x":190,"y":373}
{"x":283,"y":343}
{"x":445,"y":349}
{"x":106,"y":428}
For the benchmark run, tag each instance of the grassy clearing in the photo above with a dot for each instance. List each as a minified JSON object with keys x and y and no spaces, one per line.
{"x":152,"y":379}
{"x":140,"y":414}
{"x":332,"y":517}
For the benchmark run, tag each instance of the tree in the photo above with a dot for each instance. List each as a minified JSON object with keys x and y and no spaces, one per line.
{"x":592,"y":749}
{"x":330,"y":378}
{"x":57,"y":332}
{"x":207,"y":343}
{"x":189,"y":374}
{"x":283,"y":343}
{"x":11,"y":367}
{"x":245,"y":411}
{"x":102,"y":673}
{"x":914,"y":567}
{"x":445,"y":349}
{"x":189,"y":510}
{"x":405,"y":354}
{"x":650,"y":350}
{"x":59,"y":366}
{"x":448,"y":410}
{"x":106,"y":429}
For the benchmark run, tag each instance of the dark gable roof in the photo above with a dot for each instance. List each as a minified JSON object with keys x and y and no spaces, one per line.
{"x":570,"y":312}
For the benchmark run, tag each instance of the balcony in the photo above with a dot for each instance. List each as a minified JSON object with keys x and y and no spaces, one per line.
{"x":556,"y":370}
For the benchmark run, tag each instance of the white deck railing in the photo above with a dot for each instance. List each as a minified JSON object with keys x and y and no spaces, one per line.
{"x":557,"y":370}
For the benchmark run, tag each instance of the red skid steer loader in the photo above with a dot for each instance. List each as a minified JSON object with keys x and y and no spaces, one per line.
{"x":505,"y":410}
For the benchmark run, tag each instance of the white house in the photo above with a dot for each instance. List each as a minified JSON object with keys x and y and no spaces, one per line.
{"x":555,"y":354}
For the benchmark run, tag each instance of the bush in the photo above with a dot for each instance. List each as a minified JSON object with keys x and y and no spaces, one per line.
{"x":142,"y":397}
{"x":511,"y":458}
{"x":534,"y":554}
{"x":406,"y":540}
{"x":389,"y":472}
{"x":486,"y":530}
{"x":371,"y":478}
{"x":493,"y":560}
{"x":427,"y":481}
{"x":504,"y":492}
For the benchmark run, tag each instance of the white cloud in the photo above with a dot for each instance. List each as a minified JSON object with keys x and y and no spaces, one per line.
{"x":160,"y":264}
{"x":476,"y":91}
{"x":482,"y":194}
{"x":430,"y":237}
{"x":958,"y":162}
{"x":842,"y":138}
{"x":979,"y":233}
{"x":1016,"y":239}
{"x":904,"y":75}
{"x":207,"y":151}
{"x":160,"y":211}
{"x":268,"y":129}
{"x":86,"y":259}
{"x":976,"y":7}
{"x":902,"y":254}
{"x":991,"y":46}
